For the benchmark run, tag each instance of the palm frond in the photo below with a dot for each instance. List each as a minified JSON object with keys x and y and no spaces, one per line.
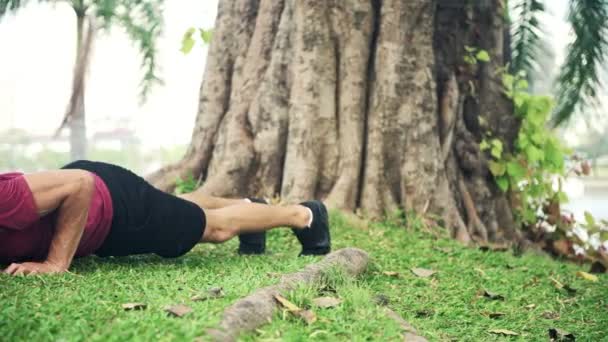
{"x":527,"y":43}
{"x":7,"y":6}
{"x":580,"y":78}
{"x":143,"y":22}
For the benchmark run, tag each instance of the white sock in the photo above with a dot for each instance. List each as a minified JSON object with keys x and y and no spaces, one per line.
{"x":309,"y":221}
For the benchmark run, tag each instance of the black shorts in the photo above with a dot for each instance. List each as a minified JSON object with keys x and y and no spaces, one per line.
{"x":145,"y":220}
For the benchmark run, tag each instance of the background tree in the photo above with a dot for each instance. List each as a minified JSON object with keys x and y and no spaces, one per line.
{"x":372,"y":105}
{"x":141,"y":19}
{"x":363,"y":103}
{"x":580,"y":80}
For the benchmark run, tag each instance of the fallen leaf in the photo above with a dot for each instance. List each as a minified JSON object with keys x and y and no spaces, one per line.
{"x":503,"y":332}
{"x":308,"y":316}
{"x":178,"y":310}
{"x":530,"y":306}
{"x":533,"y":282}
{"x":558,"y":335}
{"x":492,"y":295}
{"x":327,"y":289}
{"x":326,"y":302}
{"x":587,"y":276}
{"x":286,"y":303}
{"x":214,"y":292}
{"x":134,"y":306}
{"x":558,"y":285}
{"x":422,"y":272}
{"x":496,"y":314}
{"x":381,"y":299}
{"x":425,"y":313}
{"x":391,"y":273}
{"x":550,"y":315}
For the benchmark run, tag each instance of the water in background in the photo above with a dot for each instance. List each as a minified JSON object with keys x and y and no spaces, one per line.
{"x":588,"y":195}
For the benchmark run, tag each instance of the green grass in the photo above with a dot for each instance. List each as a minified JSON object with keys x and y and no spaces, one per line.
{"x":86,"y":305}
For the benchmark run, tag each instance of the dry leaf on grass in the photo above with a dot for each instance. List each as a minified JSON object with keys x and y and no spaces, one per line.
{"x":425,"y":313}
{"x":530,"y":306}
{"x":307,"y":315}
{"x":286,"y":303}
{"x":214,"y":292}
{"x":558,"y":285}
{"x":326,"y":302}
{"x":587,"y":276}
{"x":492,"y":295}
{"x":381,"y":299}
{"x":558,"y":335}
{"x":134,"y":306}
{"x":550,"y":315}
{"x":503,"y":332}
{"x":178,"y":310}
{"x":494,"y":315}
{"x":422,"y":272}
{"x":391,"y":273}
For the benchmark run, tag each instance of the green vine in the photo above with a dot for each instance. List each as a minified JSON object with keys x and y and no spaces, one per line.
{"x":532,"y":172}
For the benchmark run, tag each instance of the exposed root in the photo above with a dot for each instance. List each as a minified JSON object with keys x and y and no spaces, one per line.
{"x":409,"y":332}
{"x":250,"y":312}
{"x":474,"y":222}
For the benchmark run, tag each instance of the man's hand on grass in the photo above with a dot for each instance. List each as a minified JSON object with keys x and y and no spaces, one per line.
{"x":28,"y":268}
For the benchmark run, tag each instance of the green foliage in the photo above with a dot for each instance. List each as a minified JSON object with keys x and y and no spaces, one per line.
{"x":473,"y":55}
{"x":537,"y":159}
{"x":188,"y":40}
{"x":579,"y":81}
{"x":526,"y":36}
{"x":141,"y":19}
{"x":187,"y":185}
{"x":10,"y":5}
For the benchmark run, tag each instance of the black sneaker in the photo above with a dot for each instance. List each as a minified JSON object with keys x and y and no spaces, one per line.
{"x":315,"y":240}
{"x":253,"y":243}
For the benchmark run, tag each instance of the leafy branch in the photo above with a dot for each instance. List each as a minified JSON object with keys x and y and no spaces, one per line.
{"x":579,"y":80}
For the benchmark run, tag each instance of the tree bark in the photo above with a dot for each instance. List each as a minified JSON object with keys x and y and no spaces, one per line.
{"x":366,"y":104}
{"x":77,"y":122}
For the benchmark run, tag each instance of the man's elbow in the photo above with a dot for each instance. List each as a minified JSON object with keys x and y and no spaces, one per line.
{"x":83,"y":184}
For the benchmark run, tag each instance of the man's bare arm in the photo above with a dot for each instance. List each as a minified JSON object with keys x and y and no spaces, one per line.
{"x":69,"y":192}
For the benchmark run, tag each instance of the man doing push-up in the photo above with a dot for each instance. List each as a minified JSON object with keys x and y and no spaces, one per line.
{"x":48,"y":218}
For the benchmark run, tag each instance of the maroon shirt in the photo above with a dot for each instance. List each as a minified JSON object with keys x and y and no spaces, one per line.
{"x":25,"y":236}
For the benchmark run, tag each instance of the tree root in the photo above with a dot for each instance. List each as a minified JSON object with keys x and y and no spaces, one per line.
{"x":409,"y":332}
{"x":252,"y":311}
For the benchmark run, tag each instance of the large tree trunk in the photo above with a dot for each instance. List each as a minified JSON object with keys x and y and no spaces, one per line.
{"x":78,"y":133}
{"x":364,"y":103}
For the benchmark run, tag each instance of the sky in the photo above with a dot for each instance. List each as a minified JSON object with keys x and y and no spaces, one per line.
{"x":37,"y":55}
{"x":37,"y":52}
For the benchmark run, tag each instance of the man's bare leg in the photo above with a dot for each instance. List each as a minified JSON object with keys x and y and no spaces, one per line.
{"x":211,"y":202}
{"x":230,"y":221}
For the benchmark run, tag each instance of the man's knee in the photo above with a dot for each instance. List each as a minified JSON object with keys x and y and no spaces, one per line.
{"x":217,"y":235}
